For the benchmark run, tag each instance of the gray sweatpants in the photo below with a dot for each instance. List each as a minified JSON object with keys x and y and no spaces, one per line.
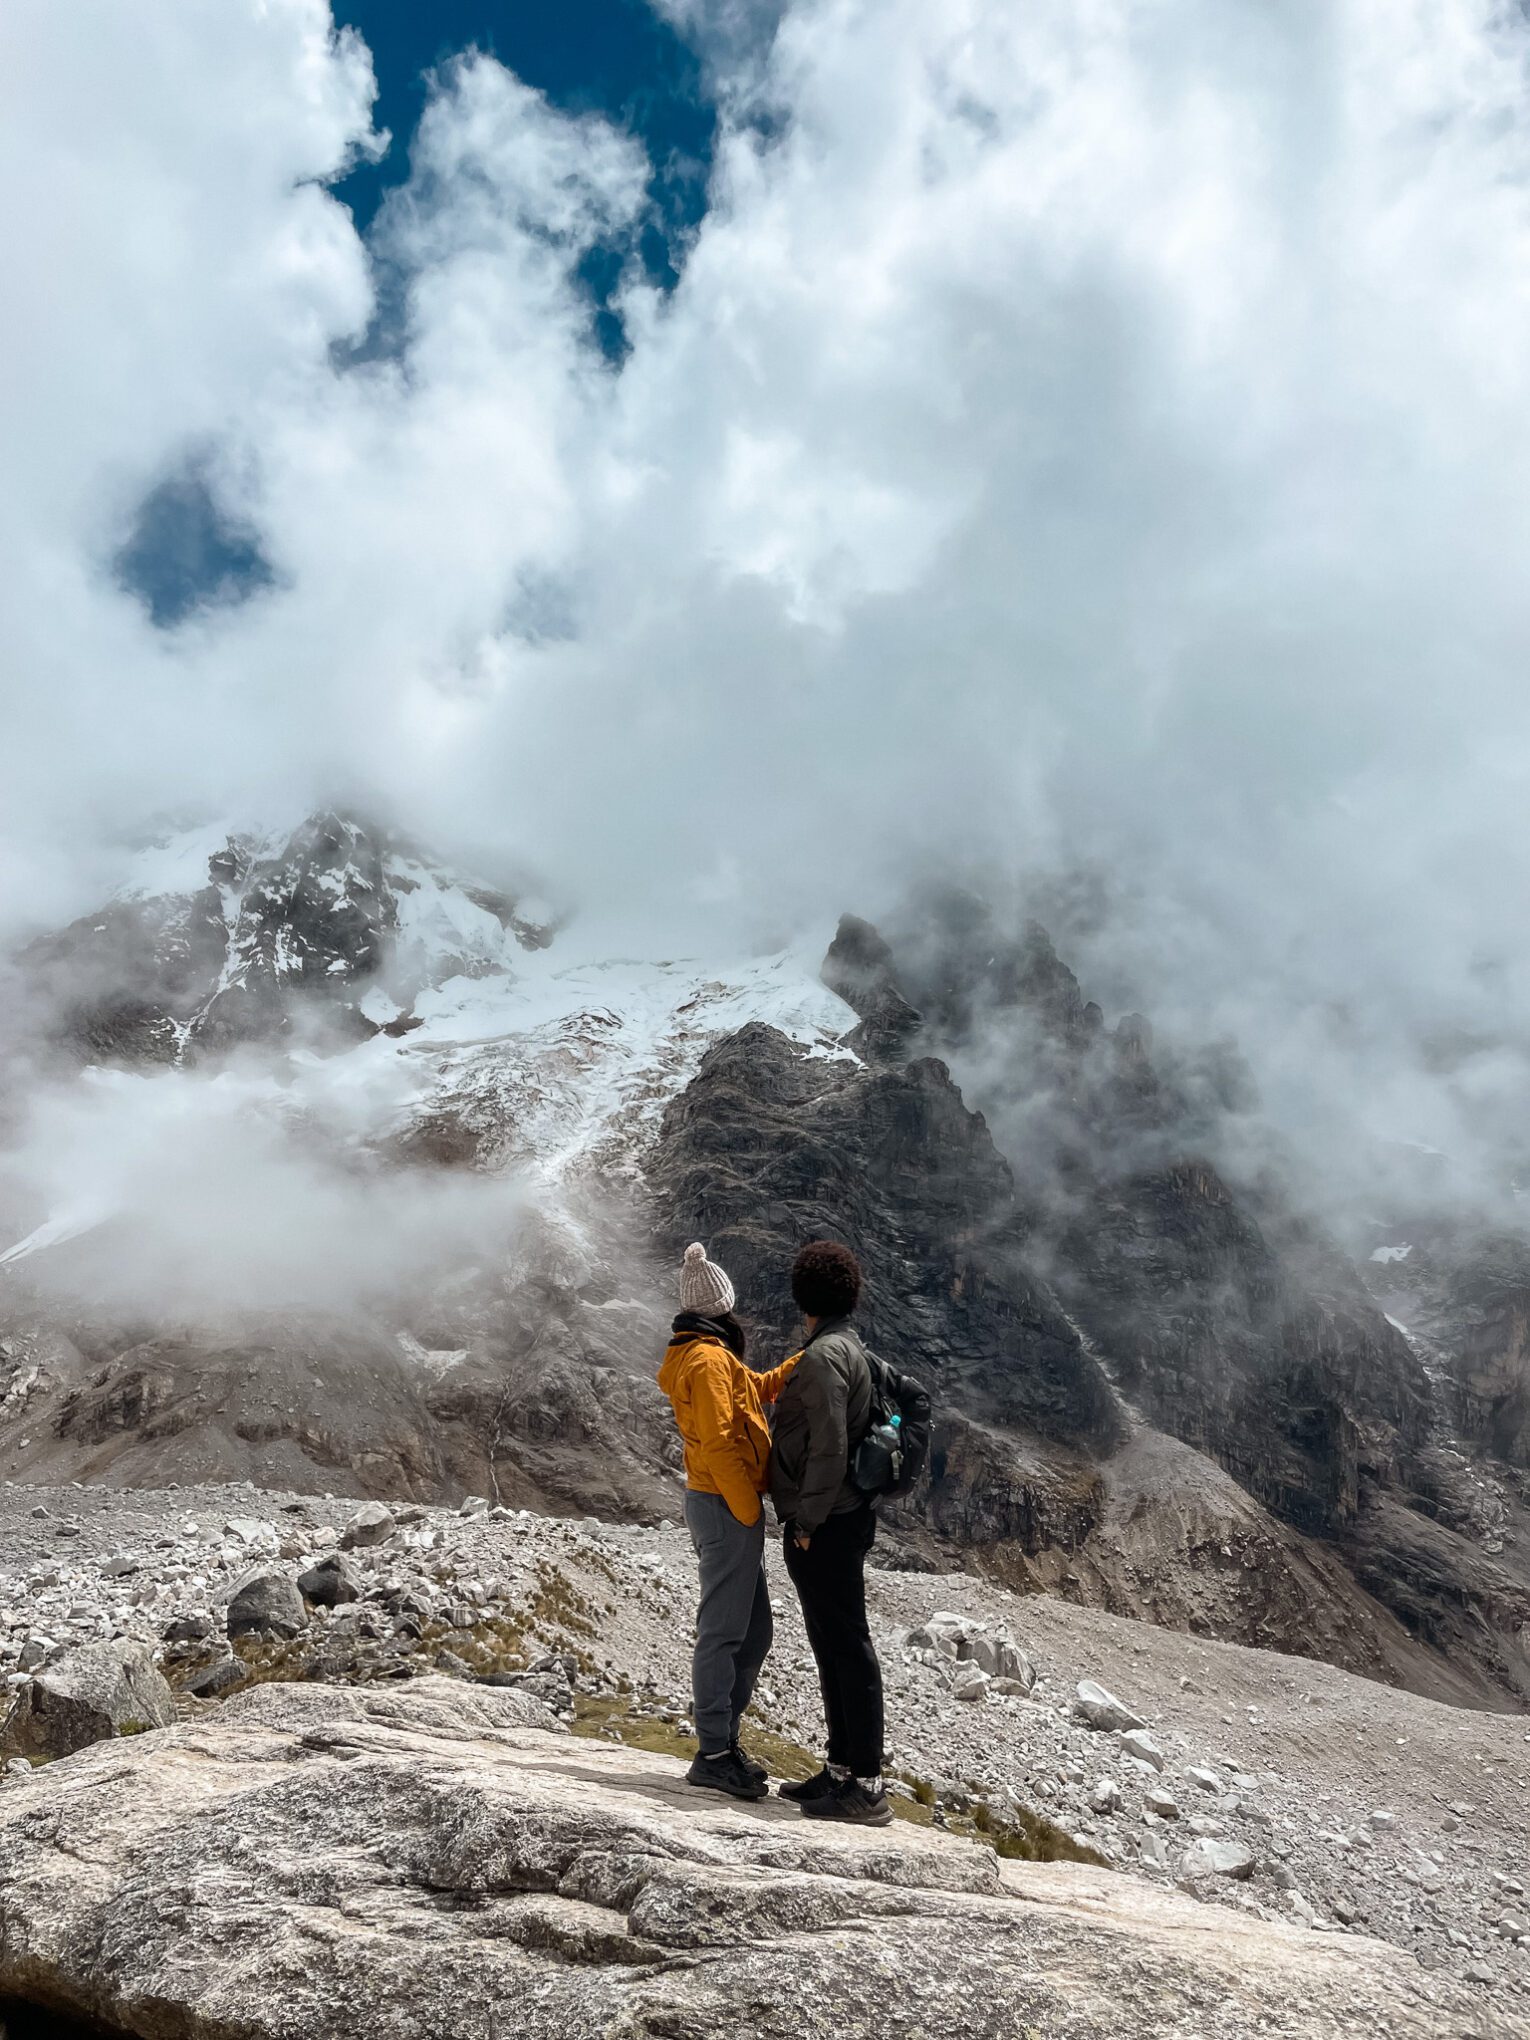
{"x":733,"y":1622}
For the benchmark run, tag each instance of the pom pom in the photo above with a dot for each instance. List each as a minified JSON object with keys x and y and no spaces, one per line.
{"x":695,"y":1254}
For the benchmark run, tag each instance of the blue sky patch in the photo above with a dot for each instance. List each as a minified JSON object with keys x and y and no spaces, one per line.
{"x":614,"y":57}
{"x":187,"y":553}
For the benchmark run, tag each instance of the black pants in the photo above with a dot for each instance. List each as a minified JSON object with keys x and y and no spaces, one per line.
{"x":830,"y":1578}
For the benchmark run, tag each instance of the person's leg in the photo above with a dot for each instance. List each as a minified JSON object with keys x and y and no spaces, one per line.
{"x":807,"y":1572}
{"x":860,"y":1671}
{"x":729,"y":1556}
{"x":834,"y":1572}
{"x":754,"y":1649}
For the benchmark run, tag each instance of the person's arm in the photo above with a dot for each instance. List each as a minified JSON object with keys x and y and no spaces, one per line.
{"x":712,"y":1414}
{"x":824,"y":1397}
{"x":770,"y":1385}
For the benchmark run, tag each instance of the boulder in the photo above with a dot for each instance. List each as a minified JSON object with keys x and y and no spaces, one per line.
{"x":1002,"y":1658}
{"x":267,"y":1604}
{"x":518,"y":1881}
{"x":189,"y":1629}
{"x":995,"y":1653}
{"x":333,"y":1581}
{"x":944,"y":1632}
{"x":373,"y":1523}
{"x":1138,"y":1743}
{"x":1210,"y":1858}
{"x":106,"y":1689}
{"x":1100,"y":1708}
{"x":216,"y":1679}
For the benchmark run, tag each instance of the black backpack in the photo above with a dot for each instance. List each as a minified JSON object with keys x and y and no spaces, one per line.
{"x":890,"y":1457}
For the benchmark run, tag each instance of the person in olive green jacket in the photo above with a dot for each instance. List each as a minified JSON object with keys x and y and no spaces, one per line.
{"x":719,"y":1406}
{"x":822,"y":1414}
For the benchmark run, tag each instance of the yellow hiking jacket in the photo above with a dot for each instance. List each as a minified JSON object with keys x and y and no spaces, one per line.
{"x":719,"y":1406}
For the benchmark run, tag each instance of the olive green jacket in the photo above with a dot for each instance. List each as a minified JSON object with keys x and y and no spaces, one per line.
{"x":821,"y":1415}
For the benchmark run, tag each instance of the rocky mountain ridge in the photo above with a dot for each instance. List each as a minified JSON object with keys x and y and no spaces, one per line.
{"x":328,"y":929}
{"x":1160,"y":1391}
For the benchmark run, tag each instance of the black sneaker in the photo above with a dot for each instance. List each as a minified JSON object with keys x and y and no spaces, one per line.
{"x":751,"y":1764}
{"x":725,"y":1774}
{"x":850,"y":1802}
{"x":816,"y":1787}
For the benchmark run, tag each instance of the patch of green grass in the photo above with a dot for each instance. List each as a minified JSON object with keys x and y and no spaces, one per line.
{"x":1027,"y":1836}
{"x":557,"y":1604}
{"x":922,"y":1789}
{"x":267,"y":1661}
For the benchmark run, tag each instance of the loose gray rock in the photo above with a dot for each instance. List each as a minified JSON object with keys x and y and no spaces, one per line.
{"x":551,"y":1686}
{"x":1208,"y":1858}
{"x":1100,"y":1708}
{"x":373,"y":1523}
{"x":215,"y":1679}
{"x":189,"y":1629}
{"x":1138,"y":1743}
{"x":330,"y":1583}
{"x":88,"y":1695}
{"x":267,"y":1604}
{"x":1002,"y":1658}
{"x":1162,"y":1803}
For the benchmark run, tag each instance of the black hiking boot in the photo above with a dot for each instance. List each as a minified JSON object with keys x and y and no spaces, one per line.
{"x":817,"y":1787}
{"x":751,"y":1764}
{"x":725,"y":1774}
{"x":850,"y":1802}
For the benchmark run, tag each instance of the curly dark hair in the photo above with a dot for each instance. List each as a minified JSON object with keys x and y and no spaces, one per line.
{"x":826,"y":1280}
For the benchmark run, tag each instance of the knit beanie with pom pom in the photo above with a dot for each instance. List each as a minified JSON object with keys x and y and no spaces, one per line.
{"x":704,"y":1288}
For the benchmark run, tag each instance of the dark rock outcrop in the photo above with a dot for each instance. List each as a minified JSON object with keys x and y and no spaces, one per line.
{"x":772,"y":1145}
{"x":1225,"y":1318}
{"x":859,"y":970}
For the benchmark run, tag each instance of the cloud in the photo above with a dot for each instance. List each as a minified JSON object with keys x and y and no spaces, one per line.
{"x":1082,"y":435}
{"x":237,"y":1192}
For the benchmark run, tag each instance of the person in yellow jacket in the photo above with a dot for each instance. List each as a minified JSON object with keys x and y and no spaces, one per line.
{"x":719,"y":1406}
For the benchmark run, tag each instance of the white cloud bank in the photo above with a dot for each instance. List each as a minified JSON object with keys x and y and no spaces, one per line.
{"x":1097,"y":431}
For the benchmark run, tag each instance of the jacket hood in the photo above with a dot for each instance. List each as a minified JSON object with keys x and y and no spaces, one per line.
{"x":694,"y":1324}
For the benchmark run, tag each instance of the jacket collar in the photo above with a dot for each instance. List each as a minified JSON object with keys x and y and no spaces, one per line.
{"x":690,"y":1324}
{"x":834,"y":1324}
